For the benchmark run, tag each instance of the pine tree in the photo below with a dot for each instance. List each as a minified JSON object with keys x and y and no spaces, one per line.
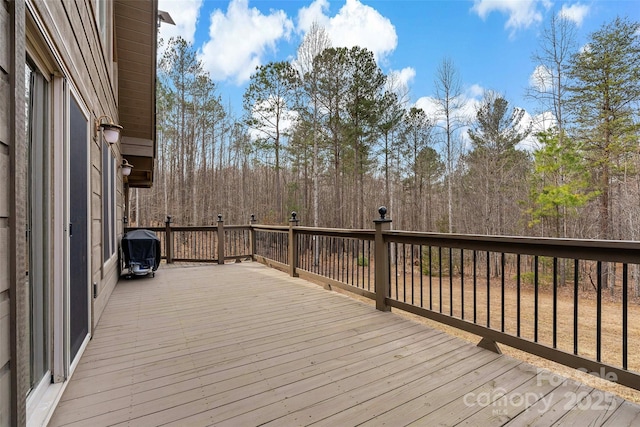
{"x":605,"y":90}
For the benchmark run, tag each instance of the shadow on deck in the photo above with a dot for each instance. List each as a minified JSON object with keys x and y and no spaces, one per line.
{"x":244,"y":344}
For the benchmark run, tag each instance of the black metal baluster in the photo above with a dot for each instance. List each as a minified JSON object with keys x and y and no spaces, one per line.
{"x":353,"y":262}
{"x":599,"y":314}
{"x":488,"y":289}
{"x":395,"y":255}
{"x":475,"y":284}
{"x":421,"y":281}
{"x":440,"y":275}
{"x":369,"y":264}
{"x":576,"y":272}
{"x":450,"y":282}
{"x":502,"y":263}
{"x":518,"y":283}
{"x":430,"y":280}
{"x":555,"y":302}
{"x":535,"y":298}
{"x":358,"y":267}
{"x":625,"y":279}
{"x":462,"y":283}
{"x":412,"y":279}
{"x":404,"y":272}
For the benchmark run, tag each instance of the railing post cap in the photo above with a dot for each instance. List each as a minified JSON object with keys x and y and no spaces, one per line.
{"x":382,"y":210}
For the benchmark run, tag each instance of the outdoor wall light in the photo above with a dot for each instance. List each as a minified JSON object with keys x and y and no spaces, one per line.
{"x":110,"y":130}
{"x":126,"y":167}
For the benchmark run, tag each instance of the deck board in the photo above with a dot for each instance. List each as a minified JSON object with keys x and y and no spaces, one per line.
{"x":243,"y":344}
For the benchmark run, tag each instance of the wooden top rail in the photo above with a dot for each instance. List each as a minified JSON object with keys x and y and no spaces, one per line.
{"x":337,"y":232}
{"x":596,"y":250}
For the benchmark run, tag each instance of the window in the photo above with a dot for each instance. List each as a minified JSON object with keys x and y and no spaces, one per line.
{"x":101,"y":18}
{"x":108,"y":203}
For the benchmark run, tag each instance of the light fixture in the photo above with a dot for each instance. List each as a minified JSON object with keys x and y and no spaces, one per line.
{"x":110,"y":130}
{"x":126,"y":167}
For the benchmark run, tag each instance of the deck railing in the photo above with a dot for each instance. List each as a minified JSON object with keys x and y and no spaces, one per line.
{"x":202,"y":244}
{"x":571,"y":301}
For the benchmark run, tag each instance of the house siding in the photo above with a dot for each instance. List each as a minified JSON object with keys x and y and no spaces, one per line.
{"x":76,"y":51}
{"x":91,"y":72}
{"x":16,"y":220}
{"x":5,"y":307}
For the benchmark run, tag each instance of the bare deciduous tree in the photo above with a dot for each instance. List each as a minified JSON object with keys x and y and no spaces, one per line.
{"x":314,"y":43}
{"x":448,"y":98}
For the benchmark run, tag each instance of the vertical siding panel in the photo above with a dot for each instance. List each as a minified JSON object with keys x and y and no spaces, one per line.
{"x":19,"y":334}
{"x":5,"y":306}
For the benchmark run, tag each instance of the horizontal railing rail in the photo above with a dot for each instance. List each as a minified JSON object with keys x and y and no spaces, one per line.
{"x":567,"y":300}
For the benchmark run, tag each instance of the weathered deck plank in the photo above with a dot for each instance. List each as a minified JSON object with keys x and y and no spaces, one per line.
{"x":246,"y":345}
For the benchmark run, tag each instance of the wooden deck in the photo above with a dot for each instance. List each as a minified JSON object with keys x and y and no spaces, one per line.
{"x":244,"y":345}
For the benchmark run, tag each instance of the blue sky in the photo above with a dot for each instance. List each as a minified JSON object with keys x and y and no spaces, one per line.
{"x":489,"y":41}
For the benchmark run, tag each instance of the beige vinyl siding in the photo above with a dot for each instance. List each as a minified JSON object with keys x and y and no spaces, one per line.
{"x":5,"y":306}
{"x":64,"y":40}
{"x":90,"y":70}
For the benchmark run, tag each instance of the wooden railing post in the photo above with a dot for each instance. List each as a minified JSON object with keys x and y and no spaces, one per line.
{"x":381,"y":266}
{"x":252,"y":237}
{"x":168,"y":239}
{"x":220,"y":231}
{"x":293,"y":248}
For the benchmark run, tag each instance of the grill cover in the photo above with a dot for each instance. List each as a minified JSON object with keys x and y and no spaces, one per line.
{"x":142,"y":247}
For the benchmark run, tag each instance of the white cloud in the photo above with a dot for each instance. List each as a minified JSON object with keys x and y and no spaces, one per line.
{"x":401,"y":78}
{"x":522,"y":13}
{"x":468,"y":102}
{"x":471,"y":101}
{"x":264,"y":112}
{"x":315,"y":12}
{"x":541,"y":79}
{"x":539,"y":122}
{"x":475,"y":91}
{"x":543,"y":121}
{"x":429,"y":105}
{"x":355,"y":24}
{"x":239,"y":38}
{"x":185,"y":14}
{"x":398,"y":82}
{"x":466,"y":113}
{"x":576,"y":12}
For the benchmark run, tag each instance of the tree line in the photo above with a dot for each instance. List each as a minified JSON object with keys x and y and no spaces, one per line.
{"x":330,"y":136}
